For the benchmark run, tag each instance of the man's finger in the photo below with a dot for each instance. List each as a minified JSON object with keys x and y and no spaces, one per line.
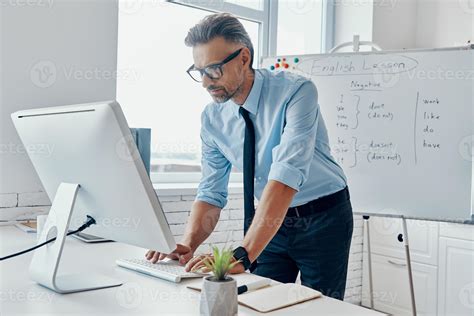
{"x":195,"y":261}
{"x":192,"y":262}
{"x":149,"y":254}
{"x":154,"y":259}
{"x":183,"y":259}
{"x":162,"y":256}
{"x":198,"y":266}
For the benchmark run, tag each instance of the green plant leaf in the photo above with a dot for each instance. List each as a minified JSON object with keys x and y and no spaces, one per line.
{"x":220,"y":262}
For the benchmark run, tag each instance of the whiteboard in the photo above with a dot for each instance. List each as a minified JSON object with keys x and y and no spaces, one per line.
{"x":400,"y":124}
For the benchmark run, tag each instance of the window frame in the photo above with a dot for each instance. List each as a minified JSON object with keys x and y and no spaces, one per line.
{"x":328,"y":22}
{"x":261,"y":17}
{"x":267,"y":18}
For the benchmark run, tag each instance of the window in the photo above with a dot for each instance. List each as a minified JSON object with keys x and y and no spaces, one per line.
{"x":154,"y":89}
{"x":299,"y":27}
{"x":252,"y":4}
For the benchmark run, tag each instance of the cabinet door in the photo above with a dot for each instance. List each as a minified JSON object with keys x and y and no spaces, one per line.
{"x":456,"y":277}
{"x":391,"y":286}
{"x":423,"y":237}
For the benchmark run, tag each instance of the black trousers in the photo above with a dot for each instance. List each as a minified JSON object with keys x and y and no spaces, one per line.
{"x":316,"y":245}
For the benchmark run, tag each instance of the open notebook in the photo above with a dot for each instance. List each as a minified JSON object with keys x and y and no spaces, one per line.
{"x":270,"y":298}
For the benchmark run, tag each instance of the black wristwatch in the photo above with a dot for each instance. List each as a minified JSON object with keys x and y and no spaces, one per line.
{"x":241,"y":254}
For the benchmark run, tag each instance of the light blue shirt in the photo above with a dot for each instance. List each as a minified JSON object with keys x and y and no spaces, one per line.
{"x":291,"y":141}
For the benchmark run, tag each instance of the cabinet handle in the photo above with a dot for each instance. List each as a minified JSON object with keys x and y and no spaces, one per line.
{"x":396,"y":263}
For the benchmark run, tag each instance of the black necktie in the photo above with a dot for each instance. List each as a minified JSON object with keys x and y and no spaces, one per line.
{"x":249,"y":169}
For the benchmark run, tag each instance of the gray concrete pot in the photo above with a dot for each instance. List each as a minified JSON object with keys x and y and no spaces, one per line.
{"x":218,"y":298}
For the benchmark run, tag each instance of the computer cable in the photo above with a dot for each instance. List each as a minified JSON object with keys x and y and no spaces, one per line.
{"x":90,"y":221}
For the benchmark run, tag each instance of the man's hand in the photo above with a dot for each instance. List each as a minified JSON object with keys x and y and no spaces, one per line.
{"x":182,"y":253}
{"x":197,"y":263}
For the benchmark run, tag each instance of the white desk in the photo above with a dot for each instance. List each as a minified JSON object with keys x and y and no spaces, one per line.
{"x":140,"y":294}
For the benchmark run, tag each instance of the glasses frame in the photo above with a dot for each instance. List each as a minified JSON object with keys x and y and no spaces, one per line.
{"x":205,"y":71}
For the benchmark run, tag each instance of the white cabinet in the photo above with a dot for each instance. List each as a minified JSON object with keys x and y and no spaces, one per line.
{"x":391,"y":286}
{"x":456,"y":271}
{"x":423,"y":237}
{"x":442,"y":262}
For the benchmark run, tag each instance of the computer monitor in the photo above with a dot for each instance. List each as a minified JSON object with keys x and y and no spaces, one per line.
{"x":93,"y":168}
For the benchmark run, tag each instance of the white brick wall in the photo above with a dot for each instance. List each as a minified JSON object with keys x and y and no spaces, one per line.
{"x":17,"y":206}
{"x":8,"y":200}
{"x":33,"y":199}
{"x":229,"y":230}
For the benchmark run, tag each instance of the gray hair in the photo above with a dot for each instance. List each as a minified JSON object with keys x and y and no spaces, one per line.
{"x":220,"y":24}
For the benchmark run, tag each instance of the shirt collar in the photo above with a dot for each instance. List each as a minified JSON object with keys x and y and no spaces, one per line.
{"x":252,"y":102}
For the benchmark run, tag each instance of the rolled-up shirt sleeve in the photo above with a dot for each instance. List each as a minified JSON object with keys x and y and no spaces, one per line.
{"x":291,"y":159}
{"x":213,"y":187}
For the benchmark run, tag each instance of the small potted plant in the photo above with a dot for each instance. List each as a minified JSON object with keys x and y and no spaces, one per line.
{"x":219,"y":291}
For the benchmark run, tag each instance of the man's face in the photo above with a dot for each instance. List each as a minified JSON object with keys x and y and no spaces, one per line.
{"x":215,"y":51}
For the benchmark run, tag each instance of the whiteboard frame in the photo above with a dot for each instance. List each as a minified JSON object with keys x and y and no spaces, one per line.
{"x":415,"y":50}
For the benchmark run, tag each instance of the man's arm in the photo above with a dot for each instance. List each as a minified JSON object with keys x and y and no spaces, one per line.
{"x":276,"y":199}
{"x":210,"y":199}
{"x":212,"y":192}
{"x":201,"y":224}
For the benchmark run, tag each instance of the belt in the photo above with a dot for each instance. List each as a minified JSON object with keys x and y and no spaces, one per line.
{"x":319,"y":205}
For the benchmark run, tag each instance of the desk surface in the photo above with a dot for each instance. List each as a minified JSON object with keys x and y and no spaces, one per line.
{"x":140,"y":294}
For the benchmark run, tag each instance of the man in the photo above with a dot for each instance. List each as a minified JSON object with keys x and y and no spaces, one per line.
{"x":270,"y":127}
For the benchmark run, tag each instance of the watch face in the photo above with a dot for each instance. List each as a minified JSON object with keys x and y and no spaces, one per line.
{"x":241,"y":254}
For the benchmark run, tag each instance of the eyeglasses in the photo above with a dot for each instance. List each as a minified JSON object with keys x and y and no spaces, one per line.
{"x":213,"y":71}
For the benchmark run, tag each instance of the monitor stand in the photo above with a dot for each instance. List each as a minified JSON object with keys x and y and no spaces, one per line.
{"x":45,"y":263}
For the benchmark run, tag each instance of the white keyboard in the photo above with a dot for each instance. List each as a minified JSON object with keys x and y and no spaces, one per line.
{"x":167,"y":269}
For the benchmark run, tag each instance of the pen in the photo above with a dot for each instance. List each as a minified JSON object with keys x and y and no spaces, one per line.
{"x":253,"y":286}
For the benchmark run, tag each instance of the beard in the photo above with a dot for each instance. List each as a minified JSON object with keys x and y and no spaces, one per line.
{"x":223,"y":94}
